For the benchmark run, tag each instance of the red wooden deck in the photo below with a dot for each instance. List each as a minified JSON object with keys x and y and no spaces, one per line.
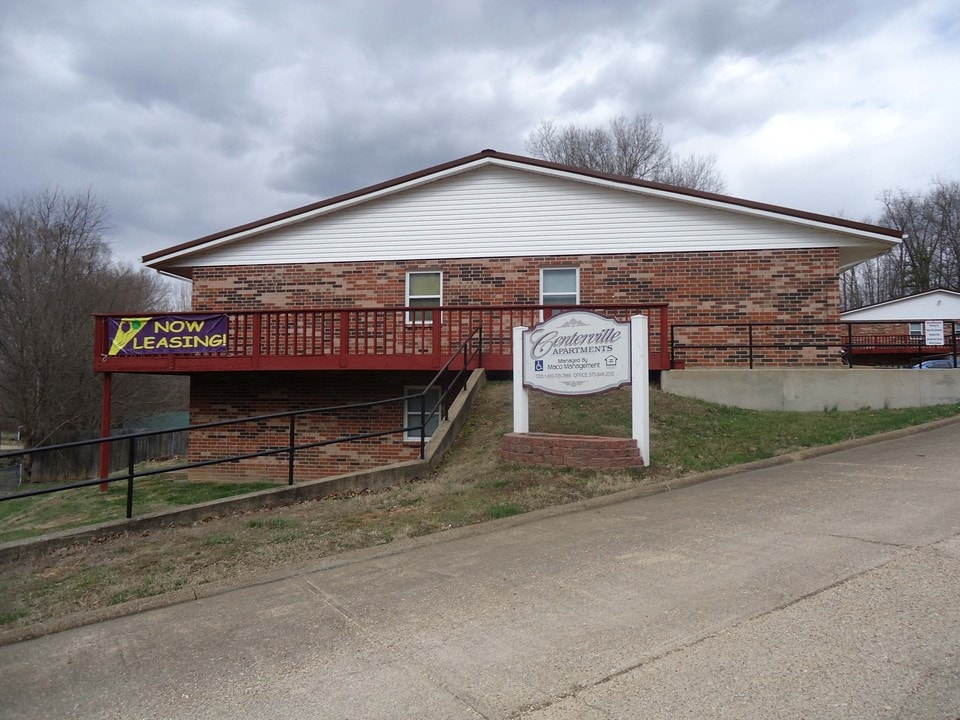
{"x":362,"y":339}
{"x":895,"y":349}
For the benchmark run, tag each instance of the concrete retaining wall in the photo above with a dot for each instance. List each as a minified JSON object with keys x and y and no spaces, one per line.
{"x":813,"y":389}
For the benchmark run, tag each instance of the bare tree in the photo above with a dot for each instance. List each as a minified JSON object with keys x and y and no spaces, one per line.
{"x":927,"y":258}
{"x":631,"y":147}
{"x":55,"y":271}
{"x":870,"y":282}
{"x":944,"y":199}
{"x":694,"y":171}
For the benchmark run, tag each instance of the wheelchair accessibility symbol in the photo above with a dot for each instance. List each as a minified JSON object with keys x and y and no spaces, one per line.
{"x":538,"y":365}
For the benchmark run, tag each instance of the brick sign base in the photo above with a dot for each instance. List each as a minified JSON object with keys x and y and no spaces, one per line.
{"x":588,"y":452}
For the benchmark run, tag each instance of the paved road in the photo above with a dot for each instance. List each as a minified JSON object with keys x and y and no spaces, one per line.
{"x":825,"y":588}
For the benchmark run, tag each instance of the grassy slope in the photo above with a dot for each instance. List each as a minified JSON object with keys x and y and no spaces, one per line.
{"x":470,"y":486}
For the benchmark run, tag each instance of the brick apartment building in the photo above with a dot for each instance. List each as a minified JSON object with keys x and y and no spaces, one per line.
{"x":363,"y":296}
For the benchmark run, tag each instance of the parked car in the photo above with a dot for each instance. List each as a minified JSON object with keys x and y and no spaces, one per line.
{"x":938,"y":363}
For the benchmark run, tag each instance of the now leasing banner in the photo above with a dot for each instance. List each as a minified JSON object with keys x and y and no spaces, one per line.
{"x":167,"y":334}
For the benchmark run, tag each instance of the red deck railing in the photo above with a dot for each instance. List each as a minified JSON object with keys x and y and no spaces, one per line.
{"x":900,"y":344}
{"x":394,"y":338}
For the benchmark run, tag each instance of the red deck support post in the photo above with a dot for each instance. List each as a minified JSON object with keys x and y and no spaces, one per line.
{"x":344,"y":337}
{"x":664,"y":337}
{"x":436,"y":340}
{"x":256,"y":339}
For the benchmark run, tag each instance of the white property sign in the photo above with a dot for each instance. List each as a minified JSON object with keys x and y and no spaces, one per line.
{"x":577,"y":353}
{"x":933,"y":332}
{"x":580,"y":353}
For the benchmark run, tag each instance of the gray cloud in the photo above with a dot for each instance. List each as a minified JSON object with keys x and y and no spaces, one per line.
{"x":188,"y":117}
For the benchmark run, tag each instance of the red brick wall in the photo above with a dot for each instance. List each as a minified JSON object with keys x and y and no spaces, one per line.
{"x":705,"y":287}
{"x":579,"y":451}
{"x":225,"y":396}
{"x":761,"y":285}
{"x":890,"y":328}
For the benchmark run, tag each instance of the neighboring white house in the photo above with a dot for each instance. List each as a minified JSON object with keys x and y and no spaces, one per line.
{"x":913,"y":310}
{"x":904,"y":331}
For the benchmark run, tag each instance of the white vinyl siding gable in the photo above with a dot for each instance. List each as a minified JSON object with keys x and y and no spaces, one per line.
{"x":930,"y":305}
{"x":508,"y":212}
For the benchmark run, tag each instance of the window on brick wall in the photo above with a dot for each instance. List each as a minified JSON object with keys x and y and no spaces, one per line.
{"x":916,"y":329}
{"x":411,"y":412}
{"x":424,"y":289}
{"x":560,"y":286}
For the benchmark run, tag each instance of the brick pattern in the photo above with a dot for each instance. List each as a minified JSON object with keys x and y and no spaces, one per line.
{"x":728,"y":287}
{"x":223,"y":396}
{"x":761,"y":285}
{"x":580,"y":451}
{"x":712,"y":288}
{"x":887,"y":328}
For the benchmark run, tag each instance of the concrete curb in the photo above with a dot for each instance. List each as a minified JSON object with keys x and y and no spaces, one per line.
{"x":397,"y":547}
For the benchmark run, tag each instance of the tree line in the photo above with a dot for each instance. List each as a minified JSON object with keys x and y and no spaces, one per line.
{"x":56,"y":270}
{"x":927,"y":258}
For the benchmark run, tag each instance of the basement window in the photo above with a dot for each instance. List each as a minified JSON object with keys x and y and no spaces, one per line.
{"x":411,"y":412}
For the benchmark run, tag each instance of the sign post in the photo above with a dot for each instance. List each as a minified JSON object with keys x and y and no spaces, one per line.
{"x":583,"y":353}
{"x":521,"y":396}
{"x":640,"y":388}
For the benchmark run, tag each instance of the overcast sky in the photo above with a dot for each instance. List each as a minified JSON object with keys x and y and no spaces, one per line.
{"x":185,"y":117}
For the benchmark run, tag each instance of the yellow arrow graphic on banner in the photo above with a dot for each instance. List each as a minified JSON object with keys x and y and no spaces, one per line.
{"x":127,"y":330}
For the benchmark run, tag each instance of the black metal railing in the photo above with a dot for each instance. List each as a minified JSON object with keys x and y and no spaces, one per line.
{"x":804,"y":343}
{"x":450,"y":383}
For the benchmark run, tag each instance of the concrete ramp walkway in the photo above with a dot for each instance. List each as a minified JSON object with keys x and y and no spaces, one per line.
{"x":826,"y":588}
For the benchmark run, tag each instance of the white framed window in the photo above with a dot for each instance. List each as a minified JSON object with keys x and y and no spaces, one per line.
{"x":560,"y":286}
{"x":411,"y":412}
{"x":424,"y":289}
{"x":916,"y":329}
